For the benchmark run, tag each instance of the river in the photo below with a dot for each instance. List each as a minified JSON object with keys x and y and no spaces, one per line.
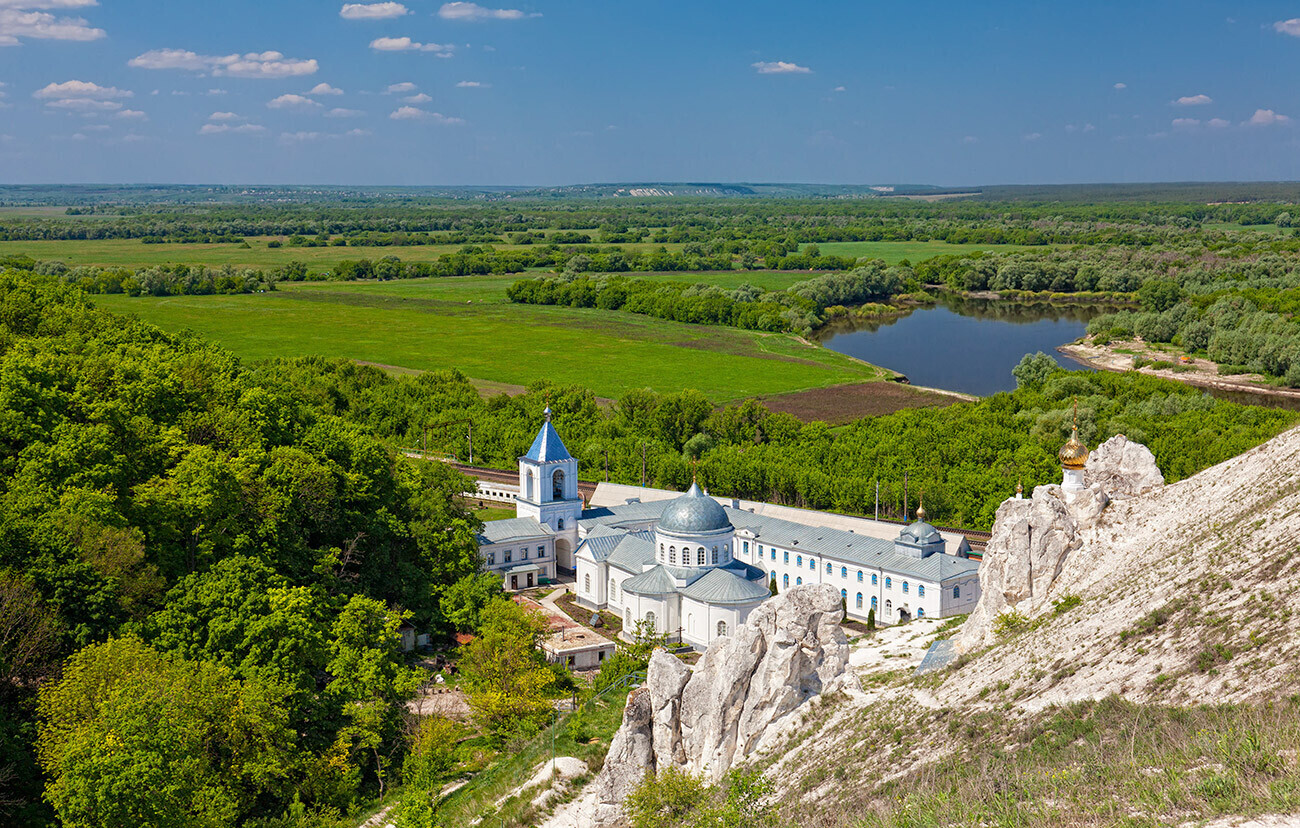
{"x":967,"y":345}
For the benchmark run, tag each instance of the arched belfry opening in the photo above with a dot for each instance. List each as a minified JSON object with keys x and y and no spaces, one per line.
{"x":557,"y":485}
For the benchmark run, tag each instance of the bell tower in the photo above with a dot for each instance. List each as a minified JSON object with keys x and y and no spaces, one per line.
{"x":548,"y":490}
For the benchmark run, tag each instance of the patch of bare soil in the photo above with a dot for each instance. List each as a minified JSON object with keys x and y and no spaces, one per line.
{"x":1118,"y":356}
{"x":840,"y":404}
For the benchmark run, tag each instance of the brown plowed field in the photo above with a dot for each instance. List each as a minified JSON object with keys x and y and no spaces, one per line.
{"x":844,"y":403}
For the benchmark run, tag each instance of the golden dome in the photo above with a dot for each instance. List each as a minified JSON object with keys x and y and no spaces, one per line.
{"x":1074,"y":454}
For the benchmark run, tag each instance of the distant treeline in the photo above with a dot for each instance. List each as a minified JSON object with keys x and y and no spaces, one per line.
{"x":155,"y":280}
{"x":800,"y":309}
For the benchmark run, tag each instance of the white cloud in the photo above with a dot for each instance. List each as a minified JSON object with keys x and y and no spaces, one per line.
{"x":249,"y":65}
{"x":970,"y":139}
{"x":1193,"y":100}
{"x":83,"y":105}
{"x":399,"y":88}
{"x":47,"y":4}
{"x":340,"y":112}
{"x":96,"y":128}
{"x":1289,"y":27}
{"x":225,"y":116}
{"x":216,"y":92}
{"x":292,"y":101}
{"x":405,"y":44}
{"x":419,"y":98}
{"x":474,"y":13}
{"x":1217,"y":123}
{"x":298,"y":137}
{"x":325,"y":89}
{"x":1266,"y":117}
{"x":20,"y":20}
{"x":81,"y":89}
{"x":1033,"y":136}
{"x":217,"y":129}
{"x":411,"y":113}
{"x":839,"y":89}
{"x":780,"y":67}
{"x":1121,"y":86}
{"x":357,"y":133}
{"x":133,"y":114}
{"x":372,"y":11}
{"x":1183,"y":123}
{"x":472,"y":85}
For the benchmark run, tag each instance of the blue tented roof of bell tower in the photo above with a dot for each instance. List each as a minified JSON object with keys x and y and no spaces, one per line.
{"x":548,"y":446}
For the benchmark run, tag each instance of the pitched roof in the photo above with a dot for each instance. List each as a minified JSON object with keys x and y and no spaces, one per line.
{"x":634,"y":551}
{"x":511,"y":529}
{"x":721,"y":586}
{"x":547,"y":445}
{"x":655,"y":581}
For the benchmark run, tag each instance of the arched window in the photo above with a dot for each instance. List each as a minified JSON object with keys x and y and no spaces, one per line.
{"x":672,"y":555}
{"x":798,"y":561}
{"x":873,"y":579}
{"x":860,"y":577}
{"x":844,"y":572}
{"x":650,"y":620}
{"x":715,"y":554}
{"x":873,"y":602}
{"x":920,"y":612}
{"x":920,"y":590}
{"x":829,"y":568}
{"x":557,"y":485}
{"x":785,"y":557}
{"x":559,"y":525}
{"x":956,"y":592}
{"x":613,"y":590}
{"x":859,"y":600}
{"x":812,"y":564}
{"x":785,"y":581}
{"x":904,"y":586}
{"x":889,"y":583}
{"x":528,"y":485}
{"x":722,"y":628}
{"x":844,"y":593}
{"x":888,"y":606}
{"x":586,"y":583}
{"x":699,"y":556}
{"x":798,"y":581}
{"x":773,"y":574}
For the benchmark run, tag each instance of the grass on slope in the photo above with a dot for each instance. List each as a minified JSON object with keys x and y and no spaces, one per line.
{"x":467,"y":323}
{"x":1108,"y":762}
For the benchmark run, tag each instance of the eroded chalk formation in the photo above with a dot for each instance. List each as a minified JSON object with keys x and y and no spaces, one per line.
{"x":732,"y":704}
{"x":1034,"y":538}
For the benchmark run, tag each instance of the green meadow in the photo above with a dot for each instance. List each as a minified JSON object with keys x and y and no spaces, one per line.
{"x":467,"y":323}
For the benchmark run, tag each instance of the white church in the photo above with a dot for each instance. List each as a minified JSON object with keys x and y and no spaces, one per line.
{"x":693,"y":567}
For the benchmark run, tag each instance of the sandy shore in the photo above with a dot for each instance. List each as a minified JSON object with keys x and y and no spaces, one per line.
{"x":1202,"y":373}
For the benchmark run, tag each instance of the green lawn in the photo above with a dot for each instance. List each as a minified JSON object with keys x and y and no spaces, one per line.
{"x":895,"y":252}
{"x":467,"y":323}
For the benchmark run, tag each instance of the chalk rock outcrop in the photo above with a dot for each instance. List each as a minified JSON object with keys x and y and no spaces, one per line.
{"x":734,"y":703}
{"x":1123,"y":467}
{"x":1034,"y":538}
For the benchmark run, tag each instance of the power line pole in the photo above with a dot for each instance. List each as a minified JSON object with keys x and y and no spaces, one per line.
{"x":606,"y":465}
{"x":643,"y":465}
{"x":904,"y":497}
{"x":877,"y":499}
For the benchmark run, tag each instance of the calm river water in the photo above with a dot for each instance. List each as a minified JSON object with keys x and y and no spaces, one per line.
{"x":967,"y":345}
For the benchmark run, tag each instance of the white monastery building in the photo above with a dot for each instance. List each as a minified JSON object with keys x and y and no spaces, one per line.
{"x":693,"y":566}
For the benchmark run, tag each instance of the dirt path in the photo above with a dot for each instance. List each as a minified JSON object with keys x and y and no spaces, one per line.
{"x":1201,"y":373}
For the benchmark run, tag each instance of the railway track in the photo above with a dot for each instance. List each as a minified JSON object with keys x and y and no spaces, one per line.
{"x":976,"y":538}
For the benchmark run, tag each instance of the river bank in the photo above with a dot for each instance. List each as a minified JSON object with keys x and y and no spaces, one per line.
{"x":1172,"y":364}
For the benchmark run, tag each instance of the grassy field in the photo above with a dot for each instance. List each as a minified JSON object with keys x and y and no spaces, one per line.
{"x":895,"y":252}
{"x":135,"y":253}
{"x":467,"y":323}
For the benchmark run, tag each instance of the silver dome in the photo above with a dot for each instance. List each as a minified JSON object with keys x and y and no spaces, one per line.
{"x":920,"y":532}
{"x":694,"y":512}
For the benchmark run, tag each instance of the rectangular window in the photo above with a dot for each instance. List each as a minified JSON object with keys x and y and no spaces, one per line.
{"x":523,"y":554}
{"x":541,"y":551}
{"x":491,"y":558}
{"x":508,"y":557}
{"x":745,"y":547}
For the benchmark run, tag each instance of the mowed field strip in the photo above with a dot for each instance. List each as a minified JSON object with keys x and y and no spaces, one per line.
{"x":467,"y":323}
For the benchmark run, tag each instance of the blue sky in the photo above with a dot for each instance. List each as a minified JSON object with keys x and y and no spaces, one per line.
{"x":566,"y":91}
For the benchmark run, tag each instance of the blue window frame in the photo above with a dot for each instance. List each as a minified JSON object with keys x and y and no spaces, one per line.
{"x":828,"y":568}
{"x":889,"y":583}
{"x":920,"y":590}
{"x":844,"y":572}
{"x":956,"y":592}
{"x":773,"y":551}
{"x":773,"y":574}
{"x":785,"y":557}
{"x":785,"y":581}
{"x":812,"y":564}
{"x":799,"y":561}
{"x":798,"y":581}
{"x":844,"y":593}
{"x":873,"y":601}
{"x":904,"y":586}
{"x":920,"y":612}
{"x":873,"y":577}
{"x":744,"y":545}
